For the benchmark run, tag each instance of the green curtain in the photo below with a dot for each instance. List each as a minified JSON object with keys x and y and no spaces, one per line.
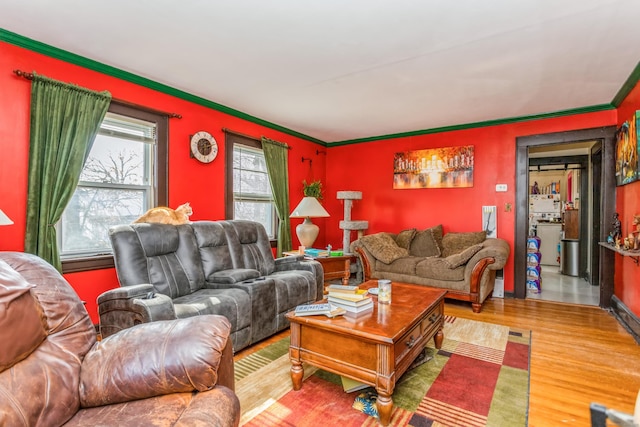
{"x":276,"y":157}
{"x":64,"y":121}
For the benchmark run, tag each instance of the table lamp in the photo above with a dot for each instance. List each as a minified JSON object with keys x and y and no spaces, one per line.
{"x":309,"y":207}
{"x":4,"y":219}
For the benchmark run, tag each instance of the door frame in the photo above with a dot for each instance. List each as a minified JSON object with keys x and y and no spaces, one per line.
{"x":583,"y":162}
{"x":606,"y":137}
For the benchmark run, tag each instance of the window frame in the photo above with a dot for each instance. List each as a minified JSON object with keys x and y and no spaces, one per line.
{"x":231,"y":139}
{"x":160,"y":179}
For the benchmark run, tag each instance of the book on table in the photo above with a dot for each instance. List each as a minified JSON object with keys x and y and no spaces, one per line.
{"x":352,"y":306}
{"x":347,"y":289}
{"x":360,"y":295}
{"x":316,"y":253}
{"x":319,"y":309}
{"x":363,"y":301}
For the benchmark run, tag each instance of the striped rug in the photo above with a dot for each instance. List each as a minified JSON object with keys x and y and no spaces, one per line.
{"x":480,"y":377}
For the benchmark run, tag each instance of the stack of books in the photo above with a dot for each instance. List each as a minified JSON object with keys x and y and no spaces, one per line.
{"x":319,"y":309}
{"x":316,"y":253}
{"x":351,"y":298}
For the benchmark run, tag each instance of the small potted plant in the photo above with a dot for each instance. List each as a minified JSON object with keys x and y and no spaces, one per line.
{"x":312,"y":189}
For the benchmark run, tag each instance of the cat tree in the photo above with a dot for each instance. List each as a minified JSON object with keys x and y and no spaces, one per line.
{"x":347,"y":224}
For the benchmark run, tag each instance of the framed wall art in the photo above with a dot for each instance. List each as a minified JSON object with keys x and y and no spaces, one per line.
{"x":627,"y":151}
{"x":447,"y":167}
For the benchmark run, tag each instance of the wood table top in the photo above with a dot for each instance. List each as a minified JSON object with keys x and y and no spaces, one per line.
{"x":386,"y":322}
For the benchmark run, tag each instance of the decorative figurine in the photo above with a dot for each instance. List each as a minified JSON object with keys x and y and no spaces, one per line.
{"x":617,"y":227}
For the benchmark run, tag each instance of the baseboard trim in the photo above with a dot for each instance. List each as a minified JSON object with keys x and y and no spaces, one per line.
{"x":627,"y":319}
{"x":509,"y":294}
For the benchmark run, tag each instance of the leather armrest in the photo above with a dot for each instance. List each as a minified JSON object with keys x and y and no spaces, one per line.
{"x":153,"y":359}
{"x":127,"y":306}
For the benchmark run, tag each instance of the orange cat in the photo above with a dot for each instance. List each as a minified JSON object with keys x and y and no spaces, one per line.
{"x":165,"y":215}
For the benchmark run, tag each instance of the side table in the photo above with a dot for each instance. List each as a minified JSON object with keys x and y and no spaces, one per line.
{"x":335,"y":267}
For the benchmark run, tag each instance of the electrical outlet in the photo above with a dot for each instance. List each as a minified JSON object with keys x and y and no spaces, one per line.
{"x":501,"y":187}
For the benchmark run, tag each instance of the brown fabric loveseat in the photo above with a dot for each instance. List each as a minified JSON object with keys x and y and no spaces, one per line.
{"x":54,"y":372}
{"x":464,"y":264}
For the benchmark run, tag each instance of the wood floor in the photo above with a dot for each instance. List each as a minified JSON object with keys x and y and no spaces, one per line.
{"x":579,"y":355}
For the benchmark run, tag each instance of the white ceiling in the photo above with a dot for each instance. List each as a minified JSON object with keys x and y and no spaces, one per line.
{"x":345,"y":69}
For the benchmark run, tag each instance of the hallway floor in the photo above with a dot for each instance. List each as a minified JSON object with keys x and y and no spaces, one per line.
{"x":558,"y":287}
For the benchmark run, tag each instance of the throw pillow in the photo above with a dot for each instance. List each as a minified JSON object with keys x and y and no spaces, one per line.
{"x":425,"y":243}
{"x":461,"y":258}
{"x":383,"y":247}
{"x":404,"y":238}
{"x":453,"y":243}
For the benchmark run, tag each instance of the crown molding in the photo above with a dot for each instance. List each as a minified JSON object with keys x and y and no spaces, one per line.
{"x":72,"y":58}
{"x":628,"y":85}
{"x":561,"y":113}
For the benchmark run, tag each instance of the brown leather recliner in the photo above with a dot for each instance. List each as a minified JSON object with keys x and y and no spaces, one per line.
{"x":53,"y":371}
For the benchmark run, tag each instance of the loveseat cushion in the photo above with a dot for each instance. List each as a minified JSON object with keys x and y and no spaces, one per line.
{"x":18,"y":307}
{"x":234,"y":304}
{"x":453,"y":243}
{"x":426,"y":243}
{"x":404,"y":238}
{"x":438,"y":268}
{"x":404,"y":265}
{"x":461,"y":258}
{"x":383,"y":247}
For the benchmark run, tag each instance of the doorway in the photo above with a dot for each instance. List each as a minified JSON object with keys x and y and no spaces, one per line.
{"x":560,"y":208}
{"x":604,"y":139}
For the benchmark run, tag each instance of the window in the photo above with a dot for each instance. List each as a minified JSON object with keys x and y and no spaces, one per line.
{"x":123,"y":176}
{"x":249,"y":184}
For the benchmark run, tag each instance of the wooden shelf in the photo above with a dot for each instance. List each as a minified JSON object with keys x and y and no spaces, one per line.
{"x":634,"y":255}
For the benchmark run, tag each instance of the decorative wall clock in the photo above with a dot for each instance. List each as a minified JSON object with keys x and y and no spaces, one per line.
{"x":204,"y":147}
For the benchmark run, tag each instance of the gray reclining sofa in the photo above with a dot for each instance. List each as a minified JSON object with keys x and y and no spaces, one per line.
{"x":206,"y":267}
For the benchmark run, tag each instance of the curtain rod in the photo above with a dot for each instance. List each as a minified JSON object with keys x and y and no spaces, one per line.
{"x":244,"y":135}
{"x":30,"y":76}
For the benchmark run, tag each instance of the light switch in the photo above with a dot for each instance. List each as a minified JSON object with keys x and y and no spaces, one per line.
{"x":501,"y":187}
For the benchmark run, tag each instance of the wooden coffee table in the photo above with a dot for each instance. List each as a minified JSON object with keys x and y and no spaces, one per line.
{"x":374,"y":348}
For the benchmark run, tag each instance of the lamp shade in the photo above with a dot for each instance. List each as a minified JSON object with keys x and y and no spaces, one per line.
{"x":4,"y":219}
{"x":309,"y":207}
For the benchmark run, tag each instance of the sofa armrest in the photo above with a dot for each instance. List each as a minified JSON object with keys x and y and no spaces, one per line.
{"x":154,"y":359}
{"x":367,"y":260}
{"x":492,"y":256}
{"x":288,"y":259}
{"x":127,"y":306}
{"x":298,"y":262}
{"x":495,"y":248}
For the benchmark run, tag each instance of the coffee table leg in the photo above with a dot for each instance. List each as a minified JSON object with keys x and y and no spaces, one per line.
{"x":297,"y":372}
{"x":437,"y":339}
{"x":384,"y":403}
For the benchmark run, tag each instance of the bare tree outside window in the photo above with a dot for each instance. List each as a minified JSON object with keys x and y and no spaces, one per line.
{"x":115,"y":188}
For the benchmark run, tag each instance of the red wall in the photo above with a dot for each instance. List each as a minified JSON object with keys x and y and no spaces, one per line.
{"x":368,"y":167}
{"x":627,"y":273}
{"x":200,"y":184}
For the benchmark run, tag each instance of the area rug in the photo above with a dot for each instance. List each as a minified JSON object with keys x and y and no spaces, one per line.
{"x":480,"y":377}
